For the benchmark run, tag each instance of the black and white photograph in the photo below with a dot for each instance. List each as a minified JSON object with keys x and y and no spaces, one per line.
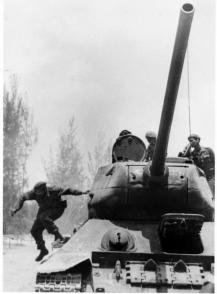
{"x":108,"y":160}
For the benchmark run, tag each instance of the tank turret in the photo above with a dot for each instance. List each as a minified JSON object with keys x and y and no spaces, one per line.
{"x":130,"y":188}
{"x":150,"y":225}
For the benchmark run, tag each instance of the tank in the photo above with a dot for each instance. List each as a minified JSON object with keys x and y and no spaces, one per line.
{"x":150,"y":226}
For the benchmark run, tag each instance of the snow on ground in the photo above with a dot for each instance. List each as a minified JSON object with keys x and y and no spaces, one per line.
{"x":19,"y":265}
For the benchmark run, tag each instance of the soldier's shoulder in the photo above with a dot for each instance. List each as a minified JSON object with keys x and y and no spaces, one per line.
{"x":210,"y":150}
{"x":28,"y":195}
{"x":29,"y":192}
{"x":211,"y":153}
{"x":207,"y":152}
{"x":54,"y":188}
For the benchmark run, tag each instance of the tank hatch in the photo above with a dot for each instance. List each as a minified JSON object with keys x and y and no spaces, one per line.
{"x":180,"y":232}
{"x":128,"y":147}
{"x":118,"y":240}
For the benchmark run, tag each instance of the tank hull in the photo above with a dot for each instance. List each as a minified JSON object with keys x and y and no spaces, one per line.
{"x":96,"y":266}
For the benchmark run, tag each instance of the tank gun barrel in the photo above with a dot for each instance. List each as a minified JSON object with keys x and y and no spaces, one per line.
{"x":179,"y":50}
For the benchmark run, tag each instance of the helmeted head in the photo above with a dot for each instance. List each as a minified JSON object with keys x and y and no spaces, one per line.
{"x":124,"y":133}
{"x":194,"y":140}
{"x":40,"y":188}
{"x":151,"y":137}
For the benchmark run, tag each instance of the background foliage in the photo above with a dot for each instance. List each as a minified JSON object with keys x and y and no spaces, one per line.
{"x":19,"y":136}
{"x":65,"y":166}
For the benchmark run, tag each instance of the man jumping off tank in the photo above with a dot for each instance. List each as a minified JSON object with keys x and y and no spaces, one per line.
{"x":51,"y":207}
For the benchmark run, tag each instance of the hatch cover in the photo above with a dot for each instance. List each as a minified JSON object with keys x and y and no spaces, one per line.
{"x":128,"y":147}
{"x":175,"y":275}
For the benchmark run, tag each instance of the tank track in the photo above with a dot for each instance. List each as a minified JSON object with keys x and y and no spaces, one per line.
{"x":57,"y":282}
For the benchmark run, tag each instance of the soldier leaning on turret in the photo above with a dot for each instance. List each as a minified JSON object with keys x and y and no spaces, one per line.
{"x":203,"y":157}
{"x":51,"y":207}
{"x":151,"y":138}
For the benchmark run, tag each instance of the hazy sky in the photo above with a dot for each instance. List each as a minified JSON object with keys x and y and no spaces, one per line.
{"x":106,"y":63}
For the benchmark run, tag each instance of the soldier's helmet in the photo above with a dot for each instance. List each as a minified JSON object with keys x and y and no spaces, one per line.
{"x":39,"y":187}
{"x":150,"y":134}
{"x":194,"y":136}
{"x":124,"y":133}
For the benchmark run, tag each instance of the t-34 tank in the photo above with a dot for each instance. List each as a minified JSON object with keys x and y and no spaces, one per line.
{"x":150,"y":226}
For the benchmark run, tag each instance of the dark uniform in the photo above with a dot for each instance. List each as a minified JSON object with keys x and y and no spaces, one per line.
{"x":204,"y":158}
{"x":51,"y":207}
{"x":149,"y":152}
{"x":151,"y":137}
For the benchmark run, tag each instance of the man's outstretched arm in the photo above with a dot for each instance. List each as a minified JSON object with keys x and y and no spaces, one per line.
{"x":74,"y":192}
{"x":21,"y":199}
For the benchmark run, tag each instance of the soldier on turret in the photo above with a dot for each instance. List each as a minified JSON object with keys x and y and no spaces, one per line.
{"x":151,"y":138}
{"x":203,"y":157}
{"x":51,"y":207}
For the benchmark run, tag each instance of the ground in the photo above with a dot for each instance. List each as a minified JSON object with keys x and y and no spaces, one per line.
{"x":19,"y":266}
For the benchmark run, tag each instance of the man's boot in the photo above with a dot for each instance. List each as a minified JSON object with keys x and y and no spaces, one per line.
{"x":43,"y":252}
{"x":58,"y":236}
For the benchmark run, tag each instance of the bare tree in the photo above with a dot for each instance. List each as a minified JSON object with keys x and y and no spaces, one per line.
{"x":19,"y":136}
{"x":65,"y":168}
{"x":101,"y":155}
